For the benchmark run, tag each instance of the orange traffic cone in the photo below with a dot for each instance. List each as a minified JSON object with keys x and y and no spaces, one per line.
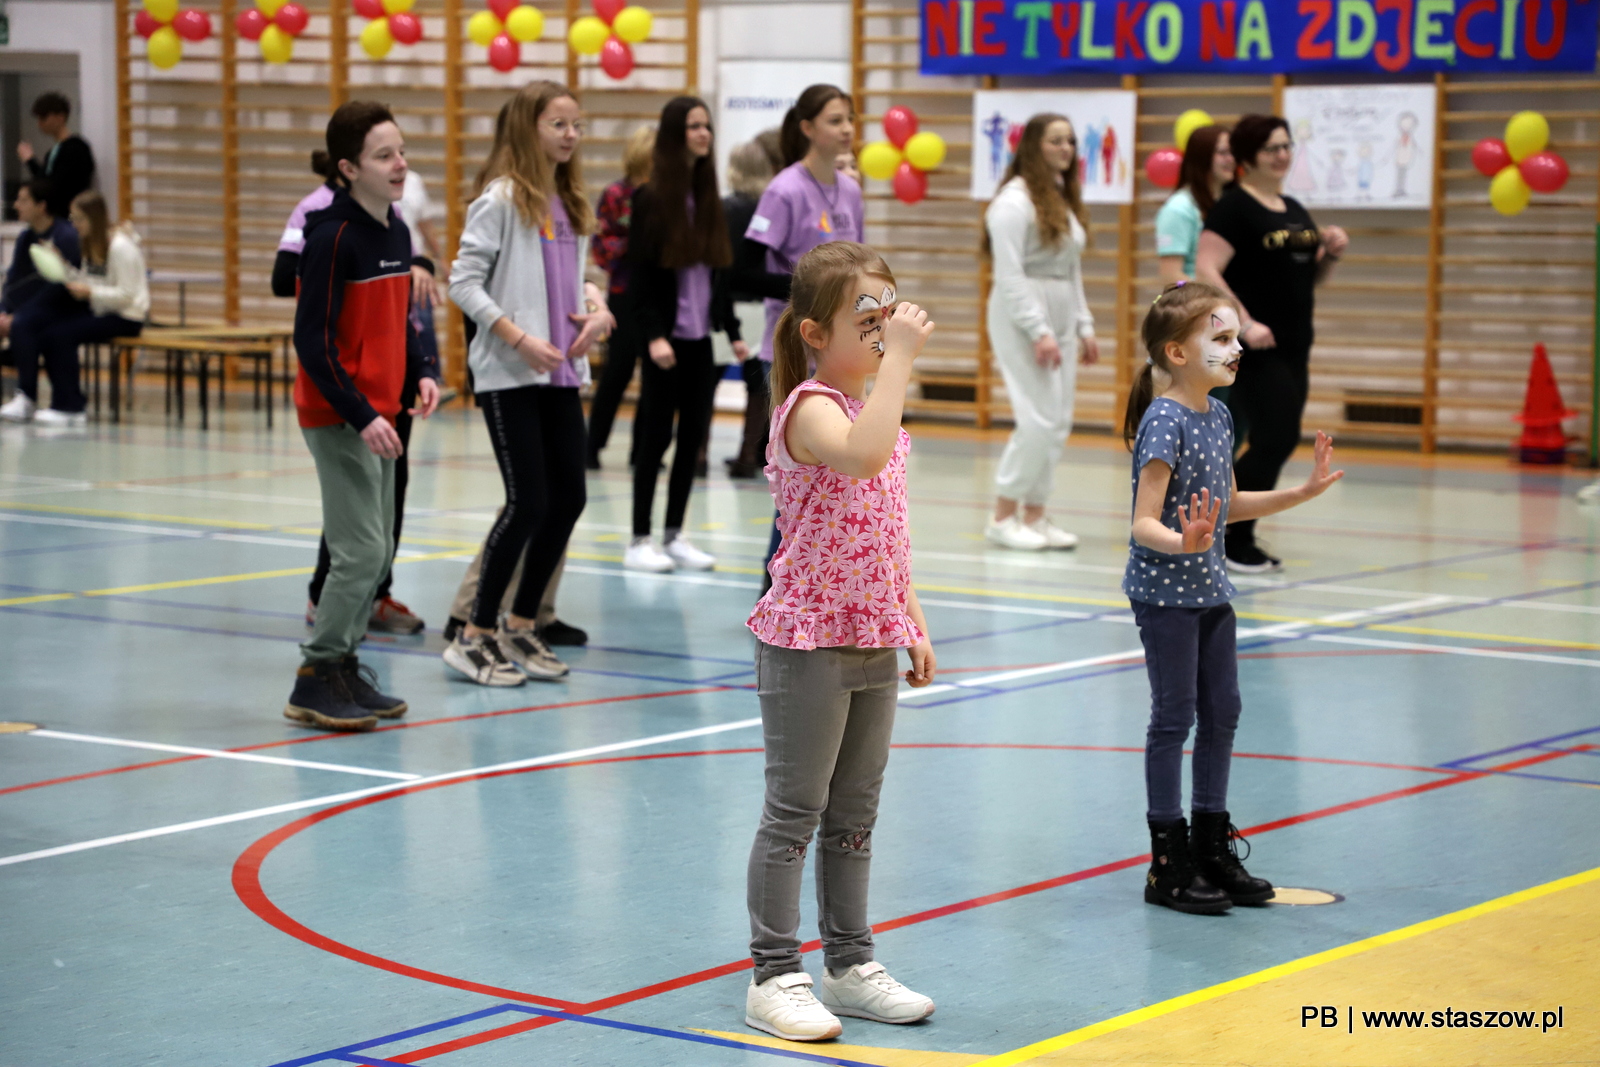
{"x":1542,"y":440}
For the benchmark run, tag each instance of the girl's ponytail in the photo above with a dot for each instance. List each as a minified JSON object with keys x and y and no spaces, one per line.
{"x":789,"y":360}
{"x":1139,"y":399}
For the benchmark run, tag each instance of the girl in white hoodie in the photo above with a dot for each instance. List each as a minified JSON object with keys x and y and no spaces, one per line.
{"x":114,"y":284}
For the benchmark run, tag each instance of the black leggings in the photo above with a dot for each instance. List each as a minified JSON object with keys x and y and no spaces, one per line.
{"x":622,"y":355}
{"x":1268,"y":398}
{"x":684,"y":391}
{"x":402,"y":470}
{"x":537,"y":433}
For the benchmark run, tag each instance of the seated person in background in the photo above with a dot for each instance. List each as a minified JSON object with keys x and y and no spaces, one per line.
{"x":69,"y":165}
{"x":113,"y":284}
{"x":30,"y":302}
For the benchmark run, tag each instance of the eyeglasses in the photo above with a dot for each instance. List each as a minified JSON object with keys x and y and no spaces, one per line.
{"x":1275,"y":149}
{"x":562,"y":126}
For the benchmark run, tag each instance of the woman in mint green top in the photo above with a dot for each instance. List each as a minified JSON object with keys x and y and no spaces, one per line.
{"x":1207,"y":167}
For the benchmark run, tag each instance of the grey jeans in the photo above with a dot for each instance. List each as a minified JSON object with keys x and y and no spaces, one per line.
{"x":826,"y":718}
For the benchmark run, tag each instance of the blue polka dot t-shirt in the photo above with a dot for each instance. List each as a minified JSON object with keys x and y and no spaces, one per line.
{"x":1198,"y":446}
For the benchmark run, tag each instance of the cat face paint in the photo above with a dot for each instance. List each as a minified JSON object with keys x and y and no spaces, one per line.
{"x":883,"y":305}
{"x":1219,"y":344}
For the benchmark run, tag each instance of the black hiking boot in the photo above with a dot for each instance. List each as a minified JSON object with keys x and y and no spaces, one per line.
{"x":322,"y":698}
{"x":1173,"y":881}
{"x":363,"y":684}
{"x":1213,"y":843}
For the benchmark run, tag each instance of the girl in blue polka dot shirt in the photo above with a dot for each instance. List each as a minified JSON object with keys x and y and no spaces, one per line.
{"x":1183,"y":498}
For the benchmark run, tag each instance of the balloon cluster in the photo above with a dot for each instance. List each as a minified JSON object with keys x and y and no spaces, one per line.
{"x":165,"y":28}
{"x":609,"y":32}
{"x":1519,"y":165}
{"x":1164,"y":166}
{"x":390,"y":21}
{"x":906,"y":157}
{"x":273,"y":25}
{"x":504,"y":29}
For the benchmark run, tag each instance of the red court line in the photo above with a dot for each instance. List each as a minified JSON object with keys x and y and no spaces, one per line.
{"x":381,"y":729}
{"x":247,"y":881}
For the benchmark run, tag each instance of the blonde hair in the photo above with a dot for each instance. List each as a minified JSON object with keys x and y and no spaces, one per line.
{"x":1174,"y":315}
{"x":518,"y":158}
{"x":1050,"y":202}
{"x":96,"y":243}
{"x":822,"y":283}
{"x":636,"y":155}
{"x":749,"y":169}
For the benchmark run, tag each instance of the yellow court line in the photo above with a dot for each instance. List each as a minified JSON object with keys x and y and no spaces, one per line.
{"x":61,"y":509}
{"x":1305,"y":963}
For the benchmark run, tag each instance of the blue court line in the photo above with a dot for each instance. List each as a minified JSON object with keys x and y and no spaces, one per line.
{"x":1453,"y":764}
{"x":399,"y":1035}
{"x":1544,"y":777}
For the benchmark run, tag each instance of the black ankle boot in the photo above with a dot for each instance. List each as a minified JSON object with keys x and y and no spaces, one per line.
{"x":1217,"y":857}
{"x":1174,"y":881}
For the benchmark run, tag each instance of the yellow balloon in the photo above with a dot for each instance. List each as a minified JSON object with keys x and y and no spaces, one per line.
{"x":879,"y":160}
{"x":588,"y":35}
{"x":276,"y":46}
{"x":632,"y":23}
{"x":925,"y":150}
{"x":162,"y":10}
{"x":1526,"y":133}
{"x":376,"y":40}
{"x":269,"y":8}
{"x":525,"y":23}
{"x":164,"y":48}
{"x":395,"y":7}
{"x":483,"y":28}
{"x":1508,"y":192}
{"x":1187,"y":123}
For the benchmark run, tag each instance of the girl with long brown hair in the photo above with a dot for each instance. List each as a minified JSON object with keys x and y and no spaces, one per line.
{"x":1040,"y":326}
{"x":1207,"y":168}
{"x":519,"y":276}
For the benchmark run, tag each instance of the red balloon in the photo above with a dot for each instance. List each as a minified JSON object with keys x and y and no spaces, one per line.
{"x":608,"y":9}
{"x":1014,"y":137}
{"x":899,"y":123}
{"x":369,"y":9}
{"x":291,"y":19}
{"x":144,"y":24}
{"x":192,"y":25}
{"x":616,"y":58}
{"x":502,"y":8}
{"x":910,"y":184}
{"x":405,"y":28}
{"x":1545,"y":172}
{"x":504,"y":53}
{"x":1491,"y":156}
{"x":250,"y":23}
{"x":1163,"y":166}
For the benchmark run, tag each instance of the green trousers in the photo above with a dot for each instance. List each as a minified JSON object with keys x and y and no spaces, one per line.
{"x":358,"y":522}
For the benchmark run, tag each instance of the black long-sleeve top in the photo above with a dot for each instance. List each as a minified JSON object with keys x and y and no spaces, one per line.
{"x":653,"y":288}
{"x":69,"y":167}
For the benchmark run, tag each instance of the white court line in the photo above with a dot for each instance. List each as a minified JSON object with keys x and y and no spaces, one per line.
{"x":217,"y":753}
{"x":336,"y":798}
{"x":684,"y":579}
{"x":219,"y":494}
{"x":1453,"y":650}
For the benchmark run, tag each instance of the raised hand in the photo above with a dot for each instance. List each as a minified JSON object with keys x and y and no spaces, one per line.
{"x":908,"y":330}
{"x":1321,"y":475}
{"x":1199,"y":524}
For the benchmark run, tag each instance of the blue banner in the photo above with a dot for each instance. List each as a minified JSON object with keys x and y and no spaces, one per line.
{"x":1256,"y":36}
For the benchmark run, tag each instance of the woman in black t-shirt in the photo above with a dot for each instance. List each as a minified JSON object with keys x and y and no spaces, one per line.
{"x":1263,"y":247}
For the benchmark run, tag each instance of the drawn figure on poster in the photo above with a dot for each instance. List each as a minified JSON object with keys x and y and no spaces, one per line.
{"x":1090,"y":153}
{"x":997,"y":130}
{"x":1405,"y":152}
{"x":1302,"y":179}
{"x":1365,"y":168}
{"x":1108,"y":153}
{"x":1334,"y":180}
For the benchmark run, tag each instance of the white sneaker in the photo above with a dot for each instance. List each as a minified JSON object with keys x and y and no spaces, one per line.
{"x":18,"y":409}
{"x":1013,"y":534}
{"x":528,"y":651}
{"x":784,"y":1007}
{"x":52,"y":417}
{"x":480,"y":659}
{"x":643,"y":555}
{"x":1589,"y":494}
{"x":689,"y":557}
{"x":866,"y":991}
{"x":1054,"y":536}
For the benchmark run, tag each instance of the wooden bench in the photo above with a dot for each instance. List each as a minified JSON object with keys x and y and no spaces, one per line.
{"x":180,"y":346}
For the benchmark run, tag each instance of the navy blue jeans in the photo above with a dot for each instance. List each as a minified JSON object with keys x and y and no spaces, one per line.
{"x":1191,"y":655}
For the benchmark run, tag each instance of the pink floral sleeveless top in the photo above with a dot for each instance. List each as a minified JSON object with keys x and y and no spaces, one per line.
{"x":843,"y":572}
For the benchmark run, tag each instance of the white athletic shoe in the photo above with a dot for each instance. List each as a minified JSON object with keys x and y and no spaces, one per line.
{"x":527,"y":650}
{"x":866,"y":991}
{"x":52,"y":417}
{"x":689,"y":557}
{"x":480,"y":659}
{"x":643,"y":555}
{"x":1054,"y":536}
{"x":1589,"y":494}
{"x":784,"y":1007}
{"x":18,"y":409}
{"x":1011,"y":533}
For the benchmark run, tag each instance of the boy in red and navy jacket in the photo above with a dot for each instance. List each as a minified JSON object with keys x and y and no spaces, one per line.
{"x":352,"y":336}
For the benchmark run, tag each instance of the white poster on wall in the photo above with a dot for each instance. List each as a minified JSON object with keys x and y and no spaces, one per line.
{"x":1361,"y":145}
{"x":1102,"y":119}
{"x":752,"y":96}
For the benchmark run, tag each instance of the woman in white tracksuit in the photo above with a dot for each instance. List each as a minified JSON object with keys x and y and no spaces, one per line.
{"x":1040,"y":326}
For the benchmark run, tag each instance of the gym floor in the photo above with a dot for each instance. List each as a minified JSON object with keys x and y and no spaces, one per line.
{"x":555,"y":874}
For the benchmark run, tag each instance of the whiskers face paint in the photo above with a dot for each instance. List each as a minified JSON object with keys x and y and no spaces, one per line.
{"x":1220,"y":348}
{"x":884,"y":304}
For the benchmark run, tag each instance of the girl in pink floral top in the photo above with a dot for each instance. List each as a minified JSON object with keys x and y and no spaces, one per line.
{"x":840,"y":606}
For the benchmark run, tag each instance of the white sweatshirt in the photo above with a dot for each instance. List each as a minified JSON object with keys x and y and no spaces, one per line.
{"x":1020,"y":259}
{"x":124,"y":288}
